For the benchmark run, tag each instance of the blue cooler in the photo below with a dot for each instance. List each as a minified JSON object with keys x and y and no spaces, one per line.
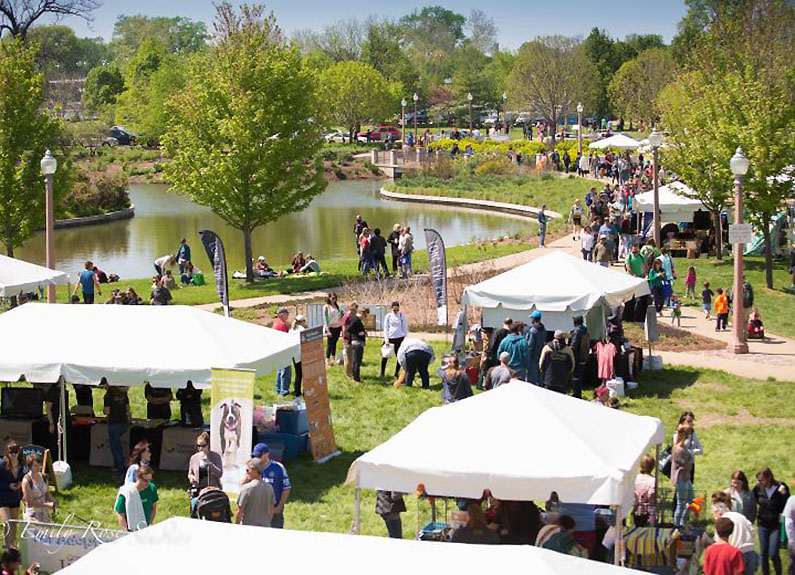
{"x":292,"y":421}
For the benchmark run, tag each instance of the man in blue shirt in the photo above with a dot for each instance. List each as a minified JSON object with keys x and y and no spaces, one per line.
{"x":274,"y":473}
{"x":87,"y":280}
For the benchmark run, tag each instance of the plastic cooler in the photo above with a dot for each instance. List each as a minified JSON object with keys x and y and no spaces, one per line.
{"x":292,"y":421}
{"x":285,"y":446}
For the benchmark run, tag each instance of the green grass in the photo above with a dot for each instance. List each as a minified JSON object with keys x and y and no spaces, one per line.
{"x":335,"y":273}
{"x":367,"y":414}
{"x":775,"y":306}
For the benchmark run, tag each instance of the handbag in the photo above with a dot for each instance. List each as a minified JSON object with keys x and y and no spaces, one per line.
{"x":667,"y":290}
{"x":664,"y":464}
{"x":387,"y":350}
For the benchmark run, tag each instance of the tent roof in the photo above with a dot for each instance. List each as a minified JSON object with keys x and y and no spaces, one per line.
{"x":127,"y":345}
{"x":182,"y":545}
{"x":17,"y":276}
{"x":673,"y":200}
{"x":616,"y":141}
{"x":555,"y":282}
{"x":543,"y":441}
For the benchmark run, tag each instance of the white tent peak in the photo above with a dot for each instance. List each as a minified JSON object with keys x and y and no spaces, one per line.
{"x":18,"y":276}
{"x":616,"y":141}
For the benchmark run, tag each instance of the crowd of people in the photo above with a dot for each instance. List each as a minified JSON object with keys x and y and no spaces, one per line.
{"x":371,"y":248}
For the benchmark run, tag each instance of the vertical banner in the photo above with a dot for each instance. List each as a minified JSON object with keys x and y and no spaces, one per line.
{"x":231,"y":421}
{"x":215,"y":251}
{"x":437,"y":260}
{"x":318,"y":406}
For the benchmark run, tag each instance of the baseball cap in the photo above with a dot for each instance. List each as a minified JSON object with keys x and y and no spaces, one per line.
{"x":505,"y":356}
{"x":560,"y":334}
{"x":536,"y":315}
{"x":259,"y":449}
{"x":299,"y":317}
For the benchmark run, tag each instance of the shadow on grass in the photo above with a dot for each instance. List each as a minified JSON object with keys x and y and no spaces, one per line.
{"x":312,"y":480}
{"x":661,"y":384}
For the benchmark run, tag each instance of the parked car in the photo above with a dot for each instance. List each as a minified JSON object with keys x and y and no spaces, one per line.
{"x":123,"y":136}
{"x":336,"y":137}
{"x":379,"y":134}
{"x":489,"y":119}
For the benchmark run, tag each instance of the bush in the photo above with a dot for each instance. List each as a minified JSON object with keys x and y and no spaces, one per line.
{"x":95,"y":194}
{"x":497,"y":166}
{"x":494,"y":147}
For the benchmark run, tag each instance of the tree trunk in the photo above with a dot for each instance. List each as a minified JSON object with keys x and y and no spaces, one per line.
{"x":718,"y":234}
{"x":768,"y":251}
{"x":248,"y":255}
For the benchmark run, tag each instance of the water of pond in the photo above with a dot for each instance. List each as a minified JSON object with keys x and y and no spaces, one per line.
{"x":325,"y":229}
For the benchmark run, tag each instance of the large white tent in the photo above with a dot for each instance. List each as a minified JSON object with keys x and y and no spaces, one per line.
{"x":129,"y":345}
{"x":545,"y":441}
{"x":675,"y":205}
{"x":617,"y":141}
{"x":181,"y":545}
{"x":17,"y":276}
{"x":560,"y":286}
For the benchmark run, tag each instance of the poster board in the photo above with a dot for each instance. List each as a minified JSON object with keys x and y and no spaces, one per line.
{"x":231,"y":420}
{"x":55,"y":547}
{"x":318,"y":406}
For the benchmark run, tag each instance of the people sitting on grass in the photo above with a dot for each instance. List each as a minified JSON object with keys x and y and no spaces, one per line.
{"x":297,"y":263}
{"x":169,"y":281}
{"x":161,"y":295}
{"x":310,"y":265}
{"x":262,"y":269}
{"x":188,"y":273}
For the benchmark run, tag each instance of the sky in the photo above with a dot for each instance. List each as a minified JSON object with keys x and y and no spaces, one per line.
{"x":517,"y":20}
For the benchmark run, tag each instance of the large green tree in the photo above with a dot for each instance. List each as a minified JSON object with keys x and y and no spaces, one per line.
{"x":638,"y":82}
{"x":103,"y":84}
{"x":178,"y":35}
{"x":64,"y":55}
{"x":26,"y":131}
{"x":18,"y":16}
{"x":246,"y":129}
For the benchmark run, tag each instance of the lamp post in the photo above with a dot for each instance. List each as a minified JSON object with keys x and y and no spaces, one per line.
{"x":403,"y":120}
{"x":656,"y":140}
{"x":505,"y":112}
{"x":48,"y":167}
{"x":416,"y":98}
{"x":739,"y":344}
{"x":579,"y":126}
{"x":469,"y":98}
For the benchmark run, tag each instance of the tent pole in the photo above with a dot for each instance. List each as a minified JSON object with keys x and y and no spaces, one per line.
{"x":618,"y":557}
{"x":357,"y":509}
{"x":61,"y":423}
{"x":656,"y":482}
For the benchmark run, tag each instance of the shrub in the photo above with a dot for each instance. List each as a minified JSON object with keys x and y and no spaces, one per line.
{"x":494,"y":147}
{"x":496,"y":166}
{"x":95,"y":194}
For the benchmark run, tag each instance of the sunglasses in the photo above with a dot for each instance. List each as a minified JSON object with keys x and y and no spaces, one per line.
{"x":201,"y":445}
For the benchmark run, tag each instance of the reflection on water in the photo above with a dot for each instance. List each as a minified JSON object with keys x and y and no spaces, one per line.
{"x":324,"y":229}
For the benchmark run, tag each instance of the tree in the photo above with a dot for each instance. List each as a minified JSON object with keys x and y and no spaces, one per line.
{"x":430,"y":36}
{"x":26,"y":131}
{"x":356,"y":93}
{"x":551,"y":74}
{"x":17,"y":16}
{"x":103,"y":84}
{"x":177,"y":35}
{"x":381,"y":48}
{"x":63,"y":55}
{"x":245,"y":130}
{"x":636,"y":85}
{"x":482,"y":32}
{"x":339,"y":41}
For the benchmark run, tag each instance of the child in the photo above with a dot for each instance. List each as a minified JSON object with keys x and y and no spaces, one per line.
{"x":706,"y":300}
{"x":721,"y":310}
{"x":755,"y":326}
{"x":690,"y":282}
{"x":676,"y":310}
{"x":721,"y":558}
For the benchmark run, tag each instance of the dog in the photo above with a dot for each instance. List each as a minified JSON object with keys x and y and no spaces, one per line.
{"x":230,"y":432}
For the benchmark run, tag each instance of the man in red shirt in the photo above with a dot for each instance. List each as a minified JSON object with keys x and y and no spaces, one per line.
{"x":284,"y":376}
{"x":721,"y":558}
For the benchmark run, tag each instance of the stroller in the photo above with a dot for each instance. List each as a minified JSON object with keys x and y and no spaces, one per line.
{"x":211,"y":504}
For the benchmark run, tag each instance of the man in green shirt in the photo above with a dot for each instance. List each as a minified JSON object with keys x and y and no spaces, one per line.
{"x":136,"y":504}
{"x":634,"y":263}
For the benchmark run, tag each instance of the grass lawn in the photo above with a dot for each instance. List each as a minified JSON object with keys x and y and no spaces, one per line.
{"x":742,"y":424}
{"x":557,"y":193}
{"x":775,"y":306}
{"x":335,"y":273}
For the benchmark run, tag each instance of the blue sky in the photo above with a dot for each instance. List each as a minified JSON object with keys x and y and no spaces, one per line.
{"x":517,"y":20}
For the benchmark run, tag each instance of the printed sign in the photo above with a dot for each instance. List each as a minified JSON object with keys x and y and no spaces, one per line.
{"x":55,"y":547}
{"x":740,"y":234}
{"x":231,"y":421}
{"x":318,"y":406}
{"x":437,"y":261}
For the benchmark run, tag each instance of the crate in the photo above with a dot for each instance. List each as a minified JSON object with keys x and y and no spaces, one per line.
{"x":292,"y":421}
{"x":285,"y":446}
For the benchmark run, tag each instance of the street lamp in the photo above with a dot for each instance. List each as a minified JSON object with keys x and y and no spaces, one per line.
{"x":505,"y":112}
{"x":580,"y":109}
{"x":656,"y":140}
{"x":469,"y":98}
{"x":403,"y":120}
{"x":416,"y":98}
{"x":739,"y":344}
{"x":48,"y":167}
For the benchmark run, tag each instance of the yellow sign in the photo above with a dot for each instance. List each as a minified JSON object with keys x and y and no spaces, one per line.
{"x":231,"y":422}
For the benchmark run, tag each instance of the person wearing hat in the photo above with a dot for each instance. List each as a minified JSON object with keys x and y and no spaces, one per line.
{"x":515,"y":345}
{"x":603,"y":255}
{"x":274,"y":473}
{"x":580,"y":344}
{"x":299,"y":325}
{"x":284,"y":375}
{"x":536,"y":339}
{"x":396,"y":328}
{"x":556,"y":363}
{"x":500,"y":374}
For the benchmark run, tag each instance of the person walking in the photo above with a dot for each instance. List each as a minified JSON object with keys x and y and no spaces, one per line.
{"x":414,"y":357}
{"x":587,"y":243}
{"x":332,"y":327}
{"x":117,"y":409}
{"x":358,"y":227}
{"x":536,"y":340}
{"x":378,"y":249}
{"x":355,"y":339}
{"x":396,"y":329}
{"x":556,"y":364}
{"x":634,"y":263}
{"x":136,"y":503}
{"x":274,"y":473}
{"x":690,"y":282}
{"x":771,"y":498}
{"x":580,"y":343}
{"x":656,"y":278}
{"x":393,"y":239}
{"x":541,"y":217}
{"x":721,"y":310}
{"x":681,"y":466}
{"x":515,"y":345}
{"x":183,"y":255}
{"x":255,"y":502}
{"x":284,"y":375}
{"x":603,"y":254}
{"x":87,"y":281}
{"x":389,"y":505}
{"x":706,"y":300}
{"x":575,"y":216}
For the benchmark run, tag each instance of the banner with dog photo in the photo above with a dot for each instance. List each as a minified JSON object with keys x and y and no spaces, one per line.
{"x":231,"y":420}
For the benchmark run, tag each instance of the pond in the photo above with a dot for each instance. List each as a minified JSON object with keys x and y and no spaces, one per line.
{"x":324,"y":229}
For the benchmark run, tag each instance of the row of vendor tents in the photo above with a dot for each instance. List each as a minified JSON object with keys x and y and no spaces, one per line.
{"x":547,"y":441}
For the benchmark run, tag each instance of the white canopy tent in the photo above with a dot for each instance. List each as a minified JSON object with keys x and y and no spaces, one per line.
{"x":675,"y":205}
{"x":17,"y":276}
{"x":560,"y":286}
{"x":182,"y":545}
{"x":129,"y":345}
{"x":616,"y":141}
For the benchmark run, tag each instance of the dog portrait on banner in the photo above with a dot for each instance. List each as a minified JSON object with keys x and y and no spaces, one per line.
{"x":231,"y":421}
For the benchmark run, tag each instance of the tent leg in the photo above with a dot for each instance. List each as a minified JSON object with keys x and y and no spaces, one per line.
{"x":656,"y":483}
{"x":61,"y":423}
{"x":618,"y":557}
{"x":357,"y":510}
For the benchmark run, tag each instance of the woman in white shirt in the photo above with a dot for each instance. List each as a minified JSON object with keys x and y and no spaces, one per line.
{"x":299,"y":325}
{"x":332,"y":326}
{"x":396,"y":328}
